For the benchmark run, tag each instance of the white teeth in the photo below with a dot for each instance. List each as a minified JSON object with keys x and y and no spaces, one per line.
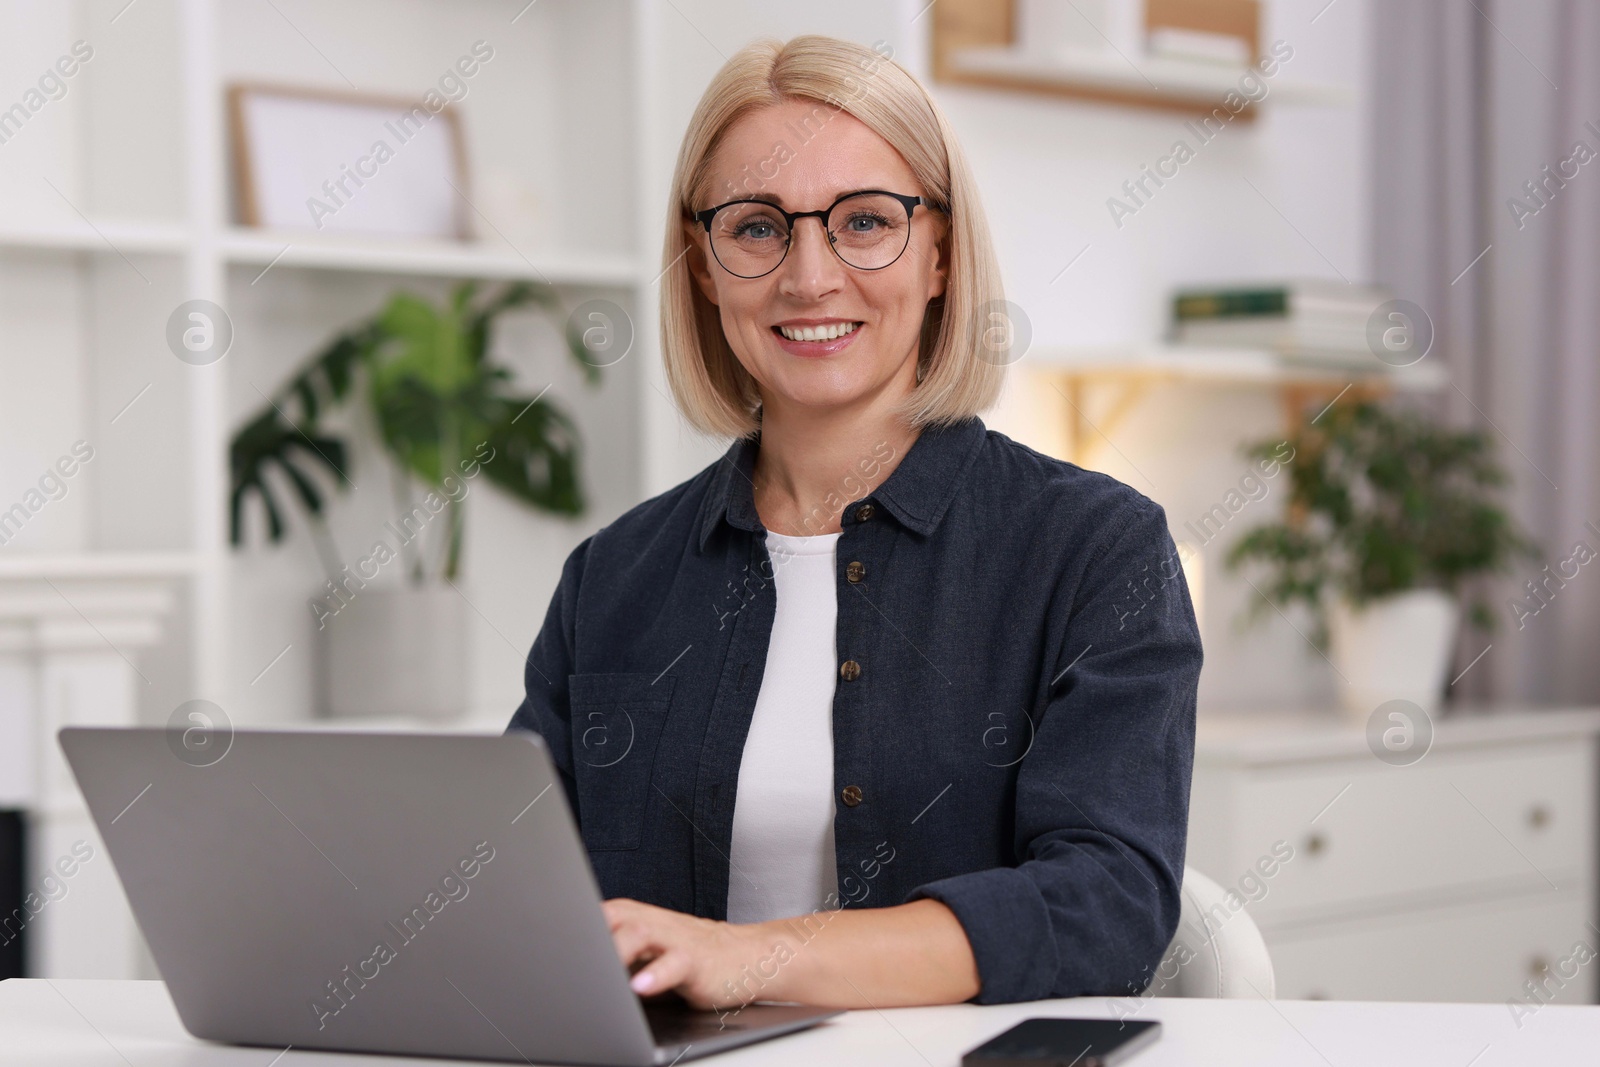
{"x":829,"y":332}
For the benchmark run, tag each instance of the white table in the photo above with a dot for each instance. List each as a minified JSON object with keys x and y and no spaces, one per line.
{"x":101,"y":1023}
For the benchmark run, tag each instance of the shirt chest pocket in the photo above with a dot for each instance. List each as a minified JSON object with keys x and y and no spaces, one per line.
{"x":617,"y":723}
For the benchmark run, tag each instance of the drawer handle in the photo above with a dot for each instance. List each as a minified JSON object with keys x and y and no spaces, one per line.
{"x":1538,"y":967}
{"x":1539,"y":816}
{"x":1316,"y":844}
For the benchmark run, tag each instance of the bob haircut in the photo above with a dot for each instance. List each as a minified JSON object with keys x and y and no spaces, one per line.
{"x":955,"y":380}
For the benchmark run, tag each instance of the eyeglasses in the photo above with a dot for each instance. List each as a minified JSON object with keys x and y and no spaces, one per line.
{"x":867,"y":230}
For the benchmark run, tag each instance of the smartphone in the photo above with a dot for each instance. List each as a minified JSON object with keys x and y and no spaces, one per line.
{"x":1046,"y":1042}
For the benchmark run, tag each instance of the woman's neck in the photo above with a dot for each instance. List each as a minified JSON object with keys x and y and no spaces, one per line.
{"x":811,"y":465}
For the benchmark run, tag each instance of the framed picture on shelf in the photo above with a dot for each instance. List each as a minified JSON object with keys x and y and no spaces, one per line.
{"x":333,"y":162}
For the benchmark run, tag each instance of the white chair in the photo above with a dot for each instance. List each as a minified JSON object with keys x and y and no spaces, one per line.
{"x":1217,"y":951}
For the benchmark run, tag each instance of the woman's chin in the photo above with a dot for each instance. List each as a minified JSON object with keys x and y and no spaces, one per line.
{"x":818,"y":397}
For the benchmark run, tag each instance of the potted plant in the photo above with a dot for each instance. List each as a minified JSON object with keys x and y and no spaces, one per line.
{"x":1389,"y":516}
{"x":445,"y":413}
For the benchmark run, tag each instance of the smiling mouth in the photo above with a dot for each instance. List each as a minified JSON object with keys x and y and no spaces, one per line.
{"x":830,"y":332}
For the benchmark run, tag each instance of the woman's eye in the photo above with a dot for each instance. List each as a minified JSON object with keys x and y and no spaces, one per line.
{"x":760,"y":231}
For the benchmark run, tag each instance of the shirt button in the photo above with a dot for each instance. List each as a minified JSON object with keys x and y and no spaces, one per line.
{"x":856,"y":571}
{"x":849,"y":670}
{"x":865,"y":512}
{"x":851,"y":795}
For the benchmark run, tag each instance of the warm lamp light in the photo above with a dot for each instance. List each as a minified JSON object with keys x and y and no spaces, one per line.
{"x":1193,"y":564}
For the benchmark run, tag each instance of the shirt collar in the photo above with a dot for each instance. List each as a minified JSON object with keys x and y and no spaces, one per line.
{"x":917,"y":493}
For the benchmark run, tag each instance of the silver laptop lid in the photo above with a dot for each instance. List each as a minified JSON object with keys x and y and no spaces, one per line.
{"x":404,"y":893}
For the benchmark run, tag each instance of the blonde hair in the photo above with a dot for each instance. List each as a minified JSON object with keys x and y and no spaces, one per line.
{"x":714,"y":391}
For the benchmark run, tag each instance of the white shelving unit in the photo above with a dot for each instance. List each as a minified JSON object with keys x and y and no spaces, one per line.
{"x":115,"y":207}
{"x":191,"y":255}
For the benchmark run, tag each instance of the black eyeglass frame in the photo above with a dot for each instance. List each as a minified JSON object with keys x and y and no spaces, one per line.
{"x":791,"y":217}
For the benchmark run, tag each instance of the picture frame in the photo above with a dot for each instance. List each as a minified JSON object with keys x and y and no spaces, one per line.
{"x":328,"y":161}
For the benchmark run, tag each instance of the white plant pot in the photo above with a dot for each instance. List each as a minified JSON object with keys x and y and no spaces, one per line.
{"x":397,"y":652}
{"x":1397,"y":648}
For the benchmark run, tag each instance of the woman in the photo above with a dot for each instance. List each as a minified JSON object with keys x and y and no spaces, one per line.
{"x":882,"y":708}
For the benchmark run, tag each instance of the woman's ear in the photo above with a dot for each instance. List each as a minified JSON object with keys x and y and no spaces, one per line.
{"x":695,"y":260}
{"x":939,"y":274}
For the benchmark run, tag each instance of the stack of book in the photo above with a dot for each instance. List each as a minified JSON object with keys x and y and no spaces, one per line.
{"x":1312,"y":322}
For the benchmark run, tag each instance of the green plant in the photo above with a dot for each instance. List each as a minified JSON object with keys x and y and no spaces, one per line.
{"x":437,"y":400}
{"x":1381,"y":501}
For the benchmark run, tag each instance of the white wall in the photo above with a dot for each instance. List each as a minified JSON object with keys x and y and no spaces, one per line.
{"x":1046,"y":167}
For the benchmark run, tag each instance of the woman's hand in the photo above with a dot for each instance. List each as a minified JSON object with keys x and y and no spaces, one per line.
{"x":900,"y":956}
{"x":712,"y":965}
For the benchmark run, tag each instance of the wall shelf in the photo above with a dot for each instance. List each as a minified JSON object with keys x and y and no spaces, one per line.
{"x":1130,"y":373}
{"x":975,"y":42}
{"x":1155,"y":82}
{"x":1225,"y":366}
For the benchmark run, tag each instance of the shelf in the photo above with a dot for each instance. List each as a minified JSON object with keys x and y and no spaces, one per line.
{"x":70,"y":566}
{"x":1227,"y":366}
{"x":981,"y":42}
{"x":1156,"y":81}
{"x":245,"y":247}
{"x":75,"y":235}
{"x":1132,"y":372}
{"x":446,"y":259}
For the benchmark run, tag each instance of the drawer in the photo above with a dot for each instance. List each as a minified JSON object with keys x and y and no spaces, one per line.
{"x":1366,"y":834}
{"x":1482,"y":954}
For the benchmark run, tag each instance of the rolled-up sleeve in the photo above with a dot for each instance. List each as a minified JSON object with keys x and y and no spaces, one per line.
{"x":1102,"y":796}
{"x":546,"y":707}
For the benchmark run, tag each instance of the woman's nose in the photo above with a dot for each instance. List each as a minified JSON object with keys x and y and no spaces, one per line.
{"x":811,"y":266}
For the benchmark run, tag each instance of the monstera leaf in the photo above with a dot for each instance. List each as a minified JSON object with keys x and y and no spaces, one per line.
{"x":438,"y":402}
{"x":268,"y":441}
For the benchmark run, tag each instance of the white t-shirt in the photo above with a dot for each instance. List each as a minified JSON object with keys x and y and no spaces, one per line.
{"x":783,"y":861}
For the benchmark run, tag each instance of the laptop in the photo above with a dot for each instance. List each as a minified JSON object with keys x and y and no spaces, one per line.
{"x":421,"y":894}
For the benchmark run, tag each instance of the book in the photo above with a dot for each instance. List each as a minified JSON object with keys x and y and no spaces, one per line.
{"x":1307,"y":321}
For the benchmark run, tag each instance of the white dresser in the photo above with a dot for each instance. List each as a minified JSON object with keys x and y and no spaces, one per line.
{"x":1462,"y":875}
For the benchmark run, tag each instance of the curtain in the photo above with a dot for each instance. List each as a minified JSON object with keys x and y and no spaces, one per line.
{"x":1486,"y":194}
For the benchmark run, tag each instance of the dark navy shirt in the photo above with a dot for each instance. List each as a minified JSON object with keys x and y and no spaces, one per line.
{"x":1013,"y":719}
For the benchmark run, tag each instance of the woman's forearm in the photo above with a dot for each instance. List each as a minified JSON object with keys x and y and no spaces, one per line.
{"x":902,"y":956}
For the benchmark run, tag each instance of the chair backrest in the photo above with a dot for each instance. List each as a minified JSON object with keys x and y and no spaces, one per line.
{"x":1218,"y":950}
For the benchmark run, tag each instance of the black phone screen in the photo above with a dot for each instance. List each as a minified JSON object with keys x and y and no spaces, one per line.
{"x":1046,"y":1042}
